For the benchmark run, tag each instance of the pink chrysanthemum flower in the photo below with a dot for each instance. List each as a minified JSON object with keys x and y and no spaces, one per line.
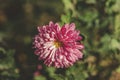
{"x":58,"y":46}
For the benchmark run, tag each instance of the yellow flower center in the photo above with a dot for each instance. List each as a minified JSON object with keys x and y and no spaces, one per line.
{"x":57,"y":44}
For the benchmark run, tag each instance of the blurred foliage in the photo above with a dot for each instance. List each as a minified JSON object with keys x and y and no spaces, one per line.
{"x":97,"y":20}
{"x":8,"y":70}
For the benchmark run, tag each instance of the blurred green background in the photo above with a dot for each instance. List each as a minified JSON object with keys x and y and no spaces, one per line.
{"x":98,"y":21}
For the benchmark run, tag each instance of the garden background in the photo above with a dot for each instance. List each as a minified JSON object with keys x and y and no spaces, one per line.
{"x":97,"y":20}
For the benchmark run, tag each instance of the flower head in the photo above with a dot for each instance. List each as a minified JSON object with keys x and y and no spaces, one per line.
{"x":58,"y":46}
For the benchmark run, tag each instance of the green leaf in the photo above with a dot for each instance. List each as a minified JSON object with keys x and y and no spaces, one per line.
{"x":91,"y":1}
{"x":117,"y":26}
{"x":114,"y":44}
{"x":39,"y":78}
{"x":116,"y":7}
{"x":118,"y":69}
{"x":51,"y":70}
{"x":66,"y":18}
{"x":68,"y":5}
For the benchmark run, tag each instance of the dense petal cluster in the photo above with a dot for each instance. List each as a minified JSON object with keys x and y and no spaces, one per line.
{"x":58,"y":46}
